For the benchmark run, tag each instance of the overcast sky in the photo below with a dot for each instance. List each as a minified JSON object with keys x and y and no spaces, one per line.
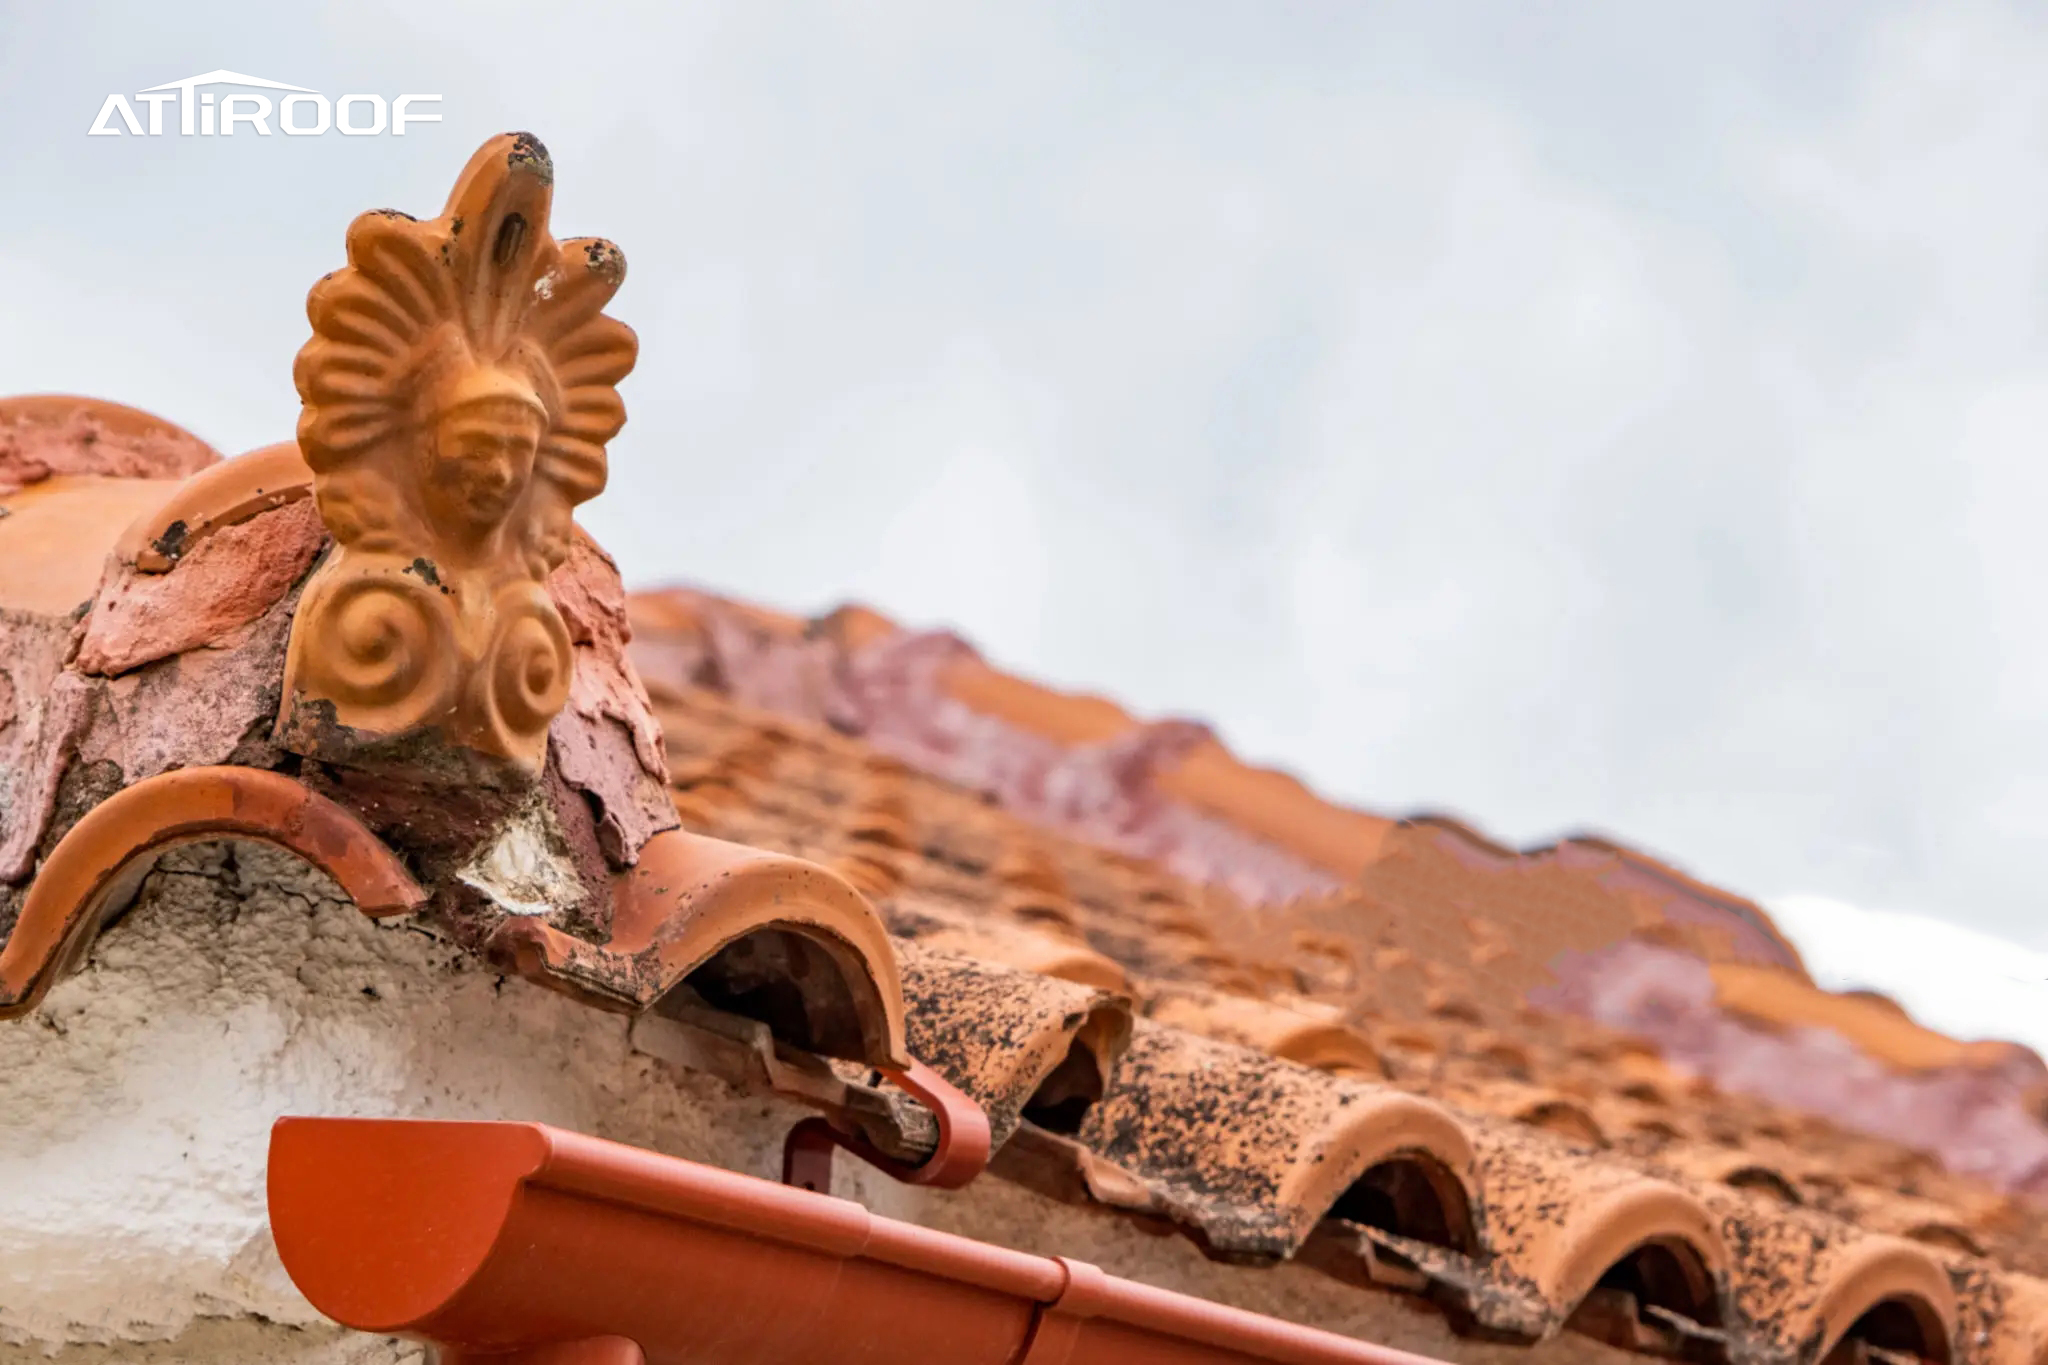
{"x":1608,"y":415}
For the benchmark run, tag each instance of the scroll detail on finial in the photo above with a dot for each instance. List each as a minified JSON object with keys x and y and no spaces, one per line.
{"x":458,"y":393}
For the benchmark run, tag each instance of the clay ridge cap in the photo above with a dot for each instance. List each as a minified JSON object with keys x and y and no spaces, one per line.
{"x":1270,"y":803}
{"x":47,"y":434}
{"x":221,"y":495}
{"x":1880,"y":1029}
{"x":690,"y":897}
{"x":100,"y":861}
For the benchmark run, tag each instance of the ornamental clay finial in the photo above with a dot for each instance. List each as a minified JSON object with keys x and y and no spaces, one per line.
{"x":458,"y":393}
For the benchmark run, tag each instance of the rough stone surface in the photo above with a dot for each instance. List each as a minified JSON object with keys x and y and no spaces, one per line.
{"x":227,"y":580}
{"x":606,"y":743}
{"x":34,"y":768}
{"x":207,"y":705}
{"x":135,"y":1107}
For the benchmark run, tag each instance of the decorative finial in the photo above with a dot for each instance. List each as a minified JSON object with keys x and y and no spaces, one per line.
{"x":458,"y":393}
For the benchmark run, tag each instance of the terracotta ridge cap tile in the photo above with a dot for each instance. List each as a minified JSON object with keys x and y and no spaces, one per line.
{"x":101,"y":860}
{"x":1250,"y":1151}
{"x":1317,"y":1039}
{"x":58,"y":532}
{"x":1881,"y":1029}
{"x":223,"y":494}
{"x":1022,"y":1044}
{"x":48,"y":434}
{"x":690,"y":899}
{"x":222,"y":580}
{"x":1561,"y":1219}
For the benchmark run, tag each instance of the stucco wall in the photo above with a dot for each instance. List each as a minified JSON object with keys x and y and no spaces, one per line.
{"x":135,"y":1108}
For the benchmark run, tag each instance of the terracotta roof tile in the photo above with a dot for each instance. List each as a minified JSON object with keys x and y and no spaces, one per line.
{"x":1803,"y":1282}
{"x":57,"y":435}
{"x":957,"y":844}
{"x":57,"y":533}
{"x":1311,"y":1036}
{"x":1019,"y":1043}
{"x":860,"y":867}
{"x":1563,"y":1222}
{"x":1506,"y":1153}
{"x":1250,"y":1151}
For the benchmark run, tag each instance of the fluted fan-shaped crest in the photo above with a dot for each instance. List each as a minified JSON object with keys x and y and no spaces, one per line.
{"x":483,"y":285}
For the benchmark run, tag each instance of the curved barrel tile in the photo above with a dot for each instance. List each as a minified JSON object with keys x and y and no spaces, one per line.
{"x":1880,"y":1275}
{"x":1013,"y":945}
{"x":1560,"y":1221}
{"x":1533,"y":1106}
{"x":56,"y":535}
{"x":97,"y":866}
{"x":221,"y":495}
{"x":48,"y":434}
{"x":1804,"y":1282}
{"x":1761,"y":1170}
{"x":1324,"y":1043}
{"x":1251,"y":1152}
{"x":1020,"y":1045}
{"x":755,"y":932}
{"x":2016,"y":1326}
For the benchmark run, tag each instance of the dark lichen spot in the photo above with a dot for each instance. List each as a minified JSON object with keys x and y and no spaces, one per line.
{"x":455,"y":228}
{"x":171,"y":543}
{"x":423,"y":569}
{"x":393,"y":213}
{"x":529,"y":155}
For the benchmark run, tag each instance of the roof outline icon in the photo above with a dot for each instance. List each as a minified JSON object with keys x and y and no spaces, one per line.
{"x":226,"y":77}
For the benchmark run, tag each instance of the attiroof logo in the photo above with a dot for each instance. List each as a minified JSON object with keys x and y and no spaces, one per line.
{"x":302,"y":113}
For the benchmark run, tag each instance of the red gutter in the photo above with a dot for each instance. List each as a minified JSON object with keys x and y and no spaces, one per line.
{"x":532,"y":1246}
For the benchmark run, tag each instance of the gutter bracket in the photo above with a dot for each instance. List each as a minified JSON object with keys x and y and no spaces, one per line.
{"x":1057,"y":1325}
{"x":961,"y":1155}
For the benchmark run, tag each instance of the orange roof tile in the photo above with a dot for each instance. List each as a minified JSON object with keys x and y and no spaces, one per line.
{"x":1877,"y":1026}
{"x":49,"y":435}
{"x":1364,"y":1040}
{"x":1145,"y":963}
{"x":55,"y":536}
